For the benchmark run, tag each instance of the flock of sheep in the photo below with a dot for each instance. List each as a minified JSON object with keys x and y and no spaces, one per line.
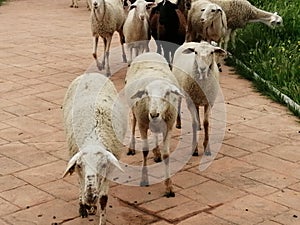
{"x":154,"y":85}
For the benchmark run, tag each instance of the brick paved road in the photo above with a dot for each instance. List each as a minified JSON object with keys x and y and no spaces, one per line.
{"x":255,"y":178}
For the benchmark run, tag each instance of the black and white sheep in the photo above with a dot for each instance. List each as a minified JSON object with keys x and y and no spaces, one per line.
{"x":91,"y":115}
{"x":107,"y":16}
{"x":197,"y":72}
{"x":136,"y":28}
{"x":153,"y":95}
{"x":206,"y":21}
{"x":241,"y":12}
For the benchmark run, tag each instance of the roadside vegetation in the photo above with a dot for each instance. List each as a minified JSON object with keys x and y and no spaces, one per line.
{"x":274,"y":54}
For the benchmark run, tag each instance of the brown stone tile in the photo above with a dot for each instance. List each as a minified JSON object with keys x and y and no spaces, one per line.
{"x":14,"y":134}
{"x":26,"y":154}
{"x":232,"y":151}
{"x":26,"y":195}
{"x":246,"y":144}
{"x":44,"y":173}
{"x":161,"y":222}
{"x":212,"y":193}
{"x":287,"y":151}
{"x":182,"y":211}
{"x":20,"y":110}
{"x":291,"y":217}
{"x":250,"y":101}
{"x":287,"y":197}
{"x":186,"y":179}
{"x":268,"y":222}
{"x":205,"y":218}
{"x":9,"y":182}
{"x":7,"y":208}
{"x":9,"y":166}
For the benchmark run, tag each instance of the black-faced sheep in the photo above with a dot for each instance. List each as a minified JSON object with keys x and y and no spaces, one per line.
{"x":91,"y":115}
{"x":153,"y":95}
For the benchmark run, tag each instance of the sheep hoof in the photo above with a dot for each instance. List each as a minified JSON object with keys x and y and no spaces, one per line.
{"x":157,"y":159}
{"x":144,"y":183}
{"x":170,"y":194}
{"x":83,"y":211}
{"x":71,"y":6}
{"x":131,"y":152}
{"x":207,"y":153}
{"x":124,"y":59}
{"x":195,"y":153}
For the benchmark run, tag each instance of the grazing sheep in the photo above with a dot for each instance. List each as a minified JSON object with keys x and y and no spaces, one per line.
{"x":240,"y":12}
{"x":152,"y":93}
{"x":107,"y":16}
{"x":206,"y":21}
{"x":197,"y":72}
{"x":91,"y":114}
{"x":168,"y":27}
{"x":136,"y":28}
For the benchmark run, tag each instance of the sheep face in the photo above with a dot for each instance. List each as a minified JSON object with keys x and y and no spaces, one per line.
{"x":275,"y":20}
{"x":210,"y":12}
{"x":92,"y":165}
{"x":96,"y":3}
{"x":160,"y":95}
{"x":142,"y":8}
{"x":204,"y":60}
{"x":188,"y":4}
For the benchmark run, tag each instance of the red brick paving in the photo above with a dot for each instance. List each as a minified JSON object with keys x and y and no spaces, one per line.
{"x":44,"y":45}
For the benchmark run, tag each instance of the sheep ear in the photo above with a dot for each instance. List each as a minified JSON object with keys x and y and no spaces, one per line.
{"x":151,"y":5}
{"x":71,"y":164}
{"x":132,"y":7}
{"x":138,"y":94}
{"x":220,"y":52}
{"x":188,"y":51}
{"x":175,"y":90}
{"x":113,"y":160}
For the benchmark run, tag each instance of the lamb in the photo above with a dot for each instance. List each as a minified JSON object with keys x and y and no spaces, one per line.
{"x":91,"y":113}
{"x":107,"y":16}
{"x":197,"y":72}
{"x":206,"y":21}
{"x":152,"y":93}
{"x":136,"y":28}
{"x":241,"y":12}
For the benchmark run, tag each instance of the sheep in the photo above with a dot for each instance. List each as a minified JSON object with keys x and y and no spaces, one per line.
{"x":152,"y":93}
{"x":197,"y":72}
{"x":74,"y":4}
{"x":107,"y":16}
{"x":136,"y":28}
{"x":241,"y":12}
{"x":206,"y":21}
{"x":168,"y":25}
{"x":91,"y":114}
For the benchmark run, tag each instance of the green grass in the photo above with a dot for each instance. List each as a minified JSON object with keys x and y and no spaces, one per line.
{"x":1,"y":2}
{"x":273,"y":53}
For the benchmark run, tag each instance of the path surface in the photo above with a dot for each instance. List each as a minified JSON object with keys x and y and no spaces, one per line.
{"x":44,"y":45}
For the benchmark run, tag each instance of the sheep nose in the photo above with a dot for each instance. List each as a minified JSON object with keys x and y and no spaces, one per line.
{"x":202,"y":70}
{"x":95,"y":4}
{"x":154,"y":115}
{"x":188,"y":5}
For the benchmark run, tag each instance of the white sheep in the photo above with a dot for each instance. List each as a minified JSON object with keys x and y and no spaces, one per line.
{"x":241,"y":12}
{"x":197,"y":72}
{"x":91,"y":115}
{"x":136,"y":28}
{"x":152,"y":93}
{"x":107,"y":16}
{"x":74,"y":4}
{"x":206,"y":21}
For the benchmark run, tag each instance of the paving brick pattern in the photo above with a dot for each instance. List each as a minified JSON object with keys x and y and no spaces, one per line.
{"x":44,"y":45}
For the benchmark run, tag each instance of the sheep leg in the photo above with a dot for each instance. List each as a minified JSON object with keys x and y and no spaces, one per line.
{"x":105,"y":61}
{"x":198,"y":119}
{"x":195,"y":124}
{"x":166,"y":153}
{"x":232,"y":38}
{"x":122,"y":41}
{"x":227,"y":38}
{"x":83,"y":211}
{"x":206,"y":130}
{"x":145,"y":180}
{"x":156,"y":150}
{"x":131,"y":150}
{"x":178,"y":120}
{"x":95,"y":45}
{"x":103,"y":201}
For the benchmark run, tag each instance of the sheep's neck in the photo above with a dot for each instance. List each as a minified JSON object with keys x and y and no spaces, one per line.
{"x":100,"y":11}
{"x":260,"y":16}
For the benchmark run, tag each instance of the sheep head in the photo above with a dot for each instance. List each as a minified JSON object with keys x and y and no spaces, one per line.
{"x":160,"y":94}
{"x":92,"y":164}
{"x":275,"y":20}
{"x":204,"y":60}
{"x":142,"y":8}
{"x":210,"y":12}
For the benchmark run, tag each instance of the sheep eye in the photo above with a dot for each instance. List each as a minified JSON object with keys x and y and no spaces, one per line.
{"x":212,"y":52}
{"x":78,"y":166}
{"x":213,"y":10}
{"x":202,"y":10}
{"x":147,"y":7}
